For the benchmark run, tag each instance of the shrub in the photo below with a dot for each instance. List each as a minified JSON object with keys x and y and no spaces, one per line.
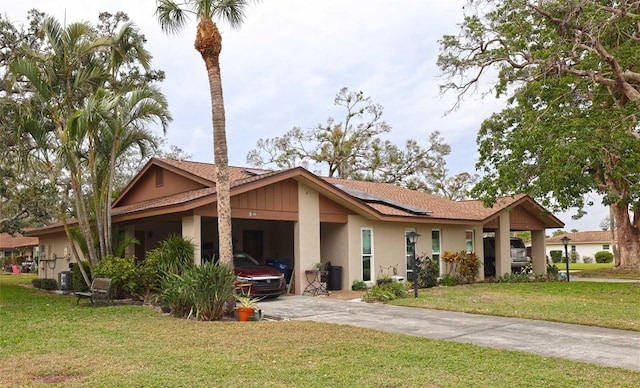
{"x":553,"y":273}
{"x":574,"y":256}
{"x":358,"y":285}
{"x":79,"y":285}
{"x":451,"y":261}
{"x":124,"y":273}
{"x":556,"y":256}
{"x":173,"y":255}
{"x":428,"y":271}
{"x":37,"y":283}
{"x":449,"y":280}
{"x":604,"y":257}
{"x":588,"y":260}
{"x":201,"y":292}
{"x":49,"y":284}
{"x":385,"y":292}
{"x":513,"y":278}
{"x":469,"y":266}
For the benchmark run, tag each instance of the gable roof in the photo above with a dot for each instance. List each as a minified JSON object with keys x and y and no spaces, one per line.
{"x":17,"y":241}
{"x":373,"y":200}
{"x":587,"y":237}
{"x":376,"y":200}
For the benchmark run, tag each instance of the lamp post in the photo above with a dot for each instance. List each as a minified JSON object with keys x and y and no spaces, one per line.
{"x":565,"y":241}
{"x":413,"y":239}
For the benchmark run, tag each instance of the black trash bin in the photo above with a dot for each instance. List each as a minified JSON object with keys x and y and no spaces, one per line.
{"x":334,"y":277}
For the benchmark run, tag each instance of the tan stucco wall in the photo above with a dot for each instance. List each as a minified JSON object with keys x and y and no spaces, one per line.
{"x":389,"y":246}
{"x":306,"y":235}
{"x":538,"y":256}
{"x":192,"y":230}
{"x":55,"y":244}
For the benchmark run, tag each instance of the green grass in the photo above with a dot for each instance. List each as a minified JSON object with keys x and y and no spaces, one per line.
{"x":613,"y":305}
{"x":46,"y":337}
{"x":602,"y":270}
{"x":587,"y":267}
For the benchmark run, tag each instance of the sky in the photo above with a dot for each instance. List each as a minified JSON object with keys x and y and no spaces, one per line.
{"x":290,"y":58}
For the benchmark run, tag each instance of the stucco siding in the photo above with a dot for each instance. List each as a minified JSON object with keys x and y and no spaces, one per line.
{"x":57,"y":255}
{"x":583,"y":249}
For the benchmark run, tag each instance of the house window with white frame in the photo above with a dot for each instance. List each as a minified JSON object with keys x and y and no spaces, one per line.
{"x":605,"y":247}
{"x":409,"y":249}
{"x":367,"y":253}
{"x":436,"y":246}
{"x":469,"y":240}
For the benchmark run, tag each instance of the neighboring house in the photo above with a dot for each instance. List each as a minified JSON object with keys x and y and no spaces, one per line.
{"x":585,"y":244}
{"x":13,"y":246}
{"x":295,"y":215}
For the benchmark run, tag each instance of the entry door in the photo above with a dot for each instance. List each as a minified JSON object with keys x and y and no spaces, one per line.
{"x":253,"y":244}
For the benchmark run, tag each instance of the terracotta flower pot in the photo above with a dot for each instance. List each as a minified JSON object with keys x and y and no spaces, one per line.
{"x":244,"y":313}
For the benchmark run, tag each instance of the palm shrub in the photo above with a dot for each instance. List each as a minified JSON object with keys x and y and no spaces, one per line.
{"x":173,"y":256}
{"x":201,"y":292}
{"x":553,"y":273}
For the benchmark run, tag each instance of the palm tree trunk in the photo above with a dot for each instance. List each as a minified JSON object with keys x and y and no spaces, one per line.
{"x":209,"y":44}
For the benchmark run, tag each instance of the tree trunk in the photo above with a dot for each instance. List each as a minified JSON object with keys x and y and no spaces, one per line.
{"x":628,"y":239}
{"x":209,"y":44}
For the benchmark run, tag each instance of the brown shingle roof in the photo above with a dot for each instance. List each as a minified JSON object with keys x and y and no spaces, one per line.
{"x":439,"y":207}
{"x":596,"y":236}
{"x":434,"y":207}
{"x":9,"y":242}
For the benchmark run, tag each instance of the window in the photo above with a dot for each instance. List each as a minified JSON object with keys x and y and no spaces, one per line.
{"x":468,"y":236}
{"x":573,"y":248}
{"x":435,"y":245}
{"x":409,"y":248}
{"x":367,"y":253}
{"x":605,"y":247}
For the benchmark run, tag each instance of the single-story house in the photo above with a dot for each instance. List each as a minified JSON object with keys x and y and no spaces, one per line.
{"x":15,"y":245}
{"x":298,"y":216}
{"x":585,"y":244}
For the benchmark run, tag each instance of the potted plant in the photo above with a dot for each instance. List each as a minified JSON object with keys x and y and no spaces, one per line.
{"x":248,"y":306}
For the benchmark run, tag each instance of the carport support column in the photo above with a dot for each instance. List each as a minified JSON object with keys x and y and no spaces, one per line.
{"x":478,"y":246}
{"x":130,"y":250}
{"x":192,"y":231}
{"x":538,"y":251}
{"x":503,"y":247}
{"x":306,"y":235}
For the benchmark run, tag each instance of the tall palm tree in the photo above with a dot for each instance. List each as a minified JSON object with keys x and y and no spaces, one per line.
{"x":60,"y":79}
{"x":96,"y":114}
{"x":173,"y":17}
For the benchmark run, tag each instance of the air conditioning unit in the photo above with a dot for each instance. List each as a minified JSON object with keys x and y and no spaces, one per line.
{"x":65,"y":281}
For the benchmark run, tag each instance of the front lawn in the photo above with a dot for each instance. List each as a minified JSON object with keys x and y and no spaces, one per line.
{"x":613,"y":305}
{"x":601,"y":270}
{"x":46,"y":338}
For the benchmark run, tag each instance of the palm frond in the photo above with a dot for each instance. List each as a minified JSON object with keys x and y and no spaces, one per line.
{"x":171,"y":16}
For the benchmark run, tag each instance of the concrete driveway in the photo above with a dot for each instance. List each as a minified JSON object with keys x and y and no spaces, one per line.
{"x":609,"y":347}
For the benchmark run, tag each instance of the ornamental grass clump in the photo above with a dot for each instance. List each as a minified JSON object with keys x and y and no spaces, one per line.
{"x":201,"y":292}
